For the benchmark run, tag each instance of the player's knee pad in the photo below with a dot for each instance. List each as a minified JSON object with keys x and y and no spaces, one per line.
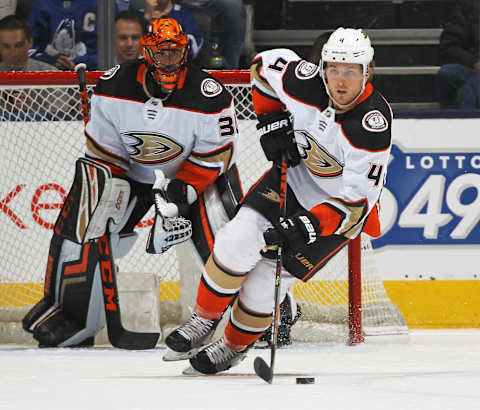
{"x":239,"y":241}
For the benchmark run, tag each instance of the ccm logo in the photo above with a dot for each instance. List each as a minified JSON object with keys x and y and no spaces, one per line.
{"x":118,"y":203}
{"x":274,"y":126}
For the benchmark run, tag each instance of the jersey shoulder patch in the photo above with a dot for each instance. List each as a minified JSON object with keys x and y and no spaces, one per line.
{"x":210,"y":87}
{"x":368,"y":125}
{"x":303,"y":83}
{"x":374,"y":121}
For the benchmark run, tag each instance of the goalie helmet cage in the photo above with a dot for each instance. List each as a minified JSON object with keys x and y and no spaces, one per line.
{"x":41,"y":135}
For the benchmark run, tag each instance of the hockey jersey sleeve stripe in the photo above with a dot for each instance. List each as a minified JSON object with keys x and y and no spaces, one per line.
{"x":220,"y":158}
{"x":337,"y":216}
{"x":264,"y":104}
{"x":96,"y":150}
{"x":197,"y":176}
{"x":330,"y":218}
{"x":258,"y":81}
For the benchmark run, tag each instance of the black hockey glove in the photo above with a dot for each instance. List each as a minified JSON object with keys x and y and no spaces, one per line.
{"x":295,"y":232}
{"x":177,"y":193}
{"x":277,"y":137}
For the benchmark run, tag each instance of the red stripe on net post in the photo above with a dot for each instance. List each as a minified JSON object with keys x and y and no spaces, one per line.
{"x":355,"y":292}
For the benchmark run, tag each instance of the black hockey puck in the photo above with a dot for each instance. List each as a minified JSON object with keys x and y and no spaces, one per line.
{"x":305,"y":380}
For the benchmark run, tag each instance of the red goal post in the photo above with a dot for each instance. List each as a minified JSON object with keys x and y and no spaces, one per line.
{"x":41,"y":121}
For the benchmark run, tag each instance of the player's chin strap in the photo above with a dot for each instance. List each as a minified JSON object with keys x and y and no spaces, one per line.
{"x":168,"y":228}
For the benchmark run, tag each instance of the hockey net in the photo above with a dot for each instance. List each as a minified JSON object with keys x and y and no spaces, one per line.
{"x":41,"y":135}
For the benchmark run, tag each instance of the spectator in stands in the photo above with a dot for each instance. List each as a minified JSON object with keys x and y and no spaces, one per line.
{"x":166,"y":8}
{"x":128,"y":31}
{"x":228,"y":26}
{"x":65,"y":32}
{"x":7,"y":8}
{"x":471,"y":93}
{"x":15,"y":41}
{"x":459,"y":52}
{"x":122,"y":5}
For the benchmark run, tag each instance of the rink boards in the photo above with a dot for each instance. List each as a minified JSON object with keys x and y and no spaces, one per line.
{"x":427,"y":256}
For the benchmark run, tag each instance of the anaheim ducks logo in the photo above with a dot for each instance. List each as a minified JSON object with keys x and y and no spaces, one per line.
{"x":318,"y":161}
{"x":271,"y":195}
{"x":210,"y":87}
{"x":306,"y":70}
{"x":150,"y":147}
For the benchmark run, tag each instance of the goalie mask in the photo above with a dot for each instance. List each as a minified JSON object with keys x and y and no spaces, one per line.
{"x":165,"y":49}
{"x":347,"y":45}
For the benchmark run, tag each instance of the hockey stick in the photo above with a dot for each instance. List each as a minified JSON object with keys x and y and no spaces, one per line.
{"x":117,"y":334}
{"x":82,"y":85}
{"x":262,"y":369}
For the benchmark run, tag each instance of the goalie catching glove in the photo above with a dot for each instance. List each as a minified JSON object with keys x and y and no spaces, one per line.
{"x":295,"y":232}
{"x":168,"y":228}
{"x":277,"y":138}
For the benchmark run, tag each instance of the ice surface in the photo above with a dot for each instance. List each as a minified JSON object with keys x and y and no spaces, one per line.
{"x":428,"y":369}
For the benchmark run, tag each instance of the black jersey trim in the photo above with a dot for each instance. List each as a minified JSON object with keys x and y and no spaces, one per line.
{"x":301,"y":90}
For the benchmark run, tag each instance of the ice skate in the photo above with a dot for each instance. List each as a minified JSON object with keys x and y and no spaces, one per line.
{"x":185,"y":341}
{"x":216,"y":357}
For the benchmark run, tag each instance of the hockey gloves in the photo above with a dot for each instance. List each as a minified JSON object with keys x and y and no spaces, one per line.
{"x":277,"y":137}
{"x":294,"y":232}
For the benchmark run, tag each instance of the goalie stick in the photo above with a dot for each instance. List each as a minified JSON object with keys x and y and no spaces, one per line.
{"x":262,"y":369}
{"x":117,"y":334}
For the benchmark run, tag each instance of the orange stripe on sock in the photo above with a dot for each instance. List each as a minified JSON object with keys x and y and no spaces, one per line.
{"x":210,"y":303}
{"x":238,"y":340}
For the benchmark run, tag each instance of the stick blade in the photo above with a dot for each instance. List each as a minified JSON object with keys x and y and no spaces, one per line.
{"x":124,"y":339}
{"x":263,"y":370}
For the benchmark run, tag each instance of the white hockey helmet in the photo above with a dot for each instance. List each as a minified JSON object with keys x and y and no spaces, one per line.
{"x":348,"y":45}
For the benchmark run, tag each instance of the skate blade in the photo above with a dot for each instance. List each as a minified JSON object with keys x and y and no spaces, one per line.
{"x":190,"y":371}
{"x":173,"y":356}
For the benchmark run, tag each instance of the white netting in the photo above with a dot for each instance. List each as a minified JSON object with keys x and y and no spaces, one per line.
{"x":41,"y":135}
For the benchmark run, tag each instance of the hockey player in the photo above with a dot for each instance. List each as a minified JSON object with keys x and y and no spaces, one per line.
{"x":333,"y":128}
{"x":150,"y":115}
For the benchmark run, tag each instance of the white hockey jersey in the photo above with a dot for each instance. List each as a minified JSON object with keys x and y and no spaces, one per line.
{"x":344,"y":153}
{"x":191,"y":134}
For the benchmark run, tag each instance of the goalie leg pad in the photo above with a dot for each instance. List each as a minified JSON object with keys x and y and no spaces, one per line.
{"x":74,"y":311}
